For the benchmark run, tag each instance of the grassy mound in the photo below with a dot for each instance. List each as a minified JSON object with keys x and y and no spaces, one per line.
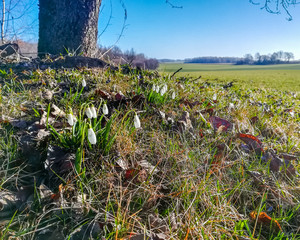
{"x":126,"y":154}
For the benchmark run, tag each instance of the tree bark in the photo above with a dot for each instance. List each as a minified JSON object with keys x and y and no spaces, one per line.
{"x":68,"y":26}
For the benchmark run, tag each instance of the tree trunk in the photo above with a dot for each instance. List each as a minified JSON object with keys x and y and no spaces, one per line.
{"x":68,"y":26}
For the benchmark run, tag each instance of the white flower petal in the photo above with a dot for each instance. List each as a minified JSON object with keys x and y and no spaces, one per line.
{"x":92,"y":136}
{"x":70,"y":119}
{"x":137,"y":122}
{"x":105,"y":109}
{"x":94,"y":112}
{"x":173,"y":95}
{"x":215,"y":97}
{"x":83,"y":83}
{"x":89,"y":113}
{"x":157,"y":89}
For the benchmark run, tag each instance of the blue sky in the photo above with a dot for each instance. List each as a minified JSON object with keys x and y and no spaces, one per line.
{"x":200,"y":28}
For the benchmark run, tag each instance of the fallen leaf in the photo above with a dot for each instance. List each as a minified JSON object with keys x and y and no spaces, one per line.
{"x":252,"y":142}
{"x":219,"y":124}
{"x":287,"y":156}
{"x":47,"y":94}
{"x":130,"y":173}
{"x":122,"y":164}
{"x":264,"y":219}
{"x":190,"y":104}
{"x":147,"y":166}
{"x":103,"y":94}
{"x":138,"y":99}
{"x":254,"y":120}
{"x":120,"y":96}
{"x":57,"y":112}
{"x":277,"y":164}
{"x":184,"y":123}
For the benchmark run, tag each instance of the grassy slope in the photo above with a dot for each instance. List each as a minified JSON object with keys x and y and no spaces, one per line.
{"x":281,"y":77}
{"x":203,"y":185}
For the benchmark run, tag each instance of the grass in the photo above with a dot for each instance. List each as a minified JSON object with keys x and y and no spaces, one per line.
{"x":281,"y":77}
{"x":179,"y":176}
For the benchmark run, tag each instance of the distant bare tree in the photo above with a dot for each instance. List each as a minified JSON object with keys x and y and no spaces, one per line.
{"x":13,"y":14}
{"x":276,"y":6}
{"x":288,"y":56}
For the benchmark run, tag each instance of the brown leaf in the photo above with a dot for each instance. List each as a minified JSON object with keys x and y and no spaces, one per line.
{"x":277,"y":164}
{"x":252,"y":142}
{"x":138,"y":99}
{"x":120,"y":96}
{"x":103,"y":94}
{"x":190,"y":104}
{"x":219,"y":124}
{"x":287,"y":156}
{"x":264,"y":219}
{"x":184,"y":123}
{"x":254,"y":120}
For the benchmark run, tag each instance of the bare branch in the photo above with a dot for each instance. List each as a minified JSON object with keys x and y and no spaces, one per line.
{"x":172,"y":5}
{"x":275,"y":6}
{"x":109,"y":20}
{"x":122,"y":30}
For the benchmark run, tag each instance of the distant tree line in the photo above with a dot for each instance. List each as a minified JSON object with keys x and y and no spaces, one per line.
{"x":279,"y":57}
{"x":232,"y":60}
{"x":118,"y":57}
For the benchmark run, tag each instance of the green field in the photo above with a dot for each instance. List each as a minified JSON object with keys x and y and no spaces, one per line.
{"x":281,"y":77}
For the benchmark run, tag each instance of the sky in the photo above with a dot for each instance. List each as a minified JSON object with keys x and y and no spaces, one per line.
{"x":199,"y":28}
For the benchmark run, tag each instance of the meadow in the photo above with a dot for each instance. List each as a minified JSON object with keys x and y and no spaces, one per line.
{"x":128,"y":154}
{"x":285,"y":77}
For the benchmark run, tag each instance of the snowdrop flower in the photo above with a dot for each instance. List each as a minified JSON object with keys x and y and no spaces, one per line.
{"x":74,"y":119}
{"x":154,"y":88}
{"x":157,"y":89}
{"x":173,"y":95}
{"x":137,"y":123}
{"x":83,"y":83}
{"x":92,"y":136}
{"x":93,"y":111}
{"x":89,"y":113}
{"x":292,"y":113}
{"x":163,"y":90}
{"x":105,"y":109}
{"x":70,"y":119}
{"x":215,"y":97}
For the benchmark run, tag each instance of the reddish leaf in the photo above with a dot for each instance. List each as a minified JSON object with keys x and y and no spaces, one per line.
{"x":120,"y":96}
{"x":131,"y":173}
{"x":103,"y":94}
{"x":201,"y":133}
{"x":252,"y":141}
{"x":265,"y":220}
{"x":220,"y":124}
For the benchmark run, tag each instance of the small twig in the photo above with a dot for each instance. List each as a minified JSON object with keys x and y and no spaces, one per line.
{"x":176,"y":72}
{"x":172,"y":5}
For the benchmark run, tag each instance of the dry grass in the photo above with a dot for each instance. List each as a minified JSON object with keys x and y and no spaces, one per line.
{"x":173,"y":178}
